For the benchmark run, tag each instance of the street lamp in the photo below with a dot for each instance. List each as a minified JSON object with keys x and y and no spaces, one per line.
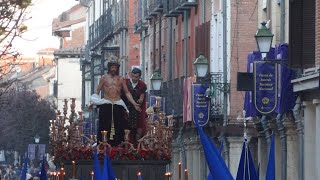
{"x":264,"y":39}
{"x":37,"y":139}
{"x":86,"y":113}
{"x":201,"y":66}
{"x":156,"y":80}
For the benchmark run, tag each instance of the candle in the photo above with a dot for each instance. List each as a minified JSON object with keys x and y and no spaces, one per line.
{"x":73,"y":169}
{"x":179,"y":170}
{"x":186,"y":173}
{"x":168,"y":175}
{"x":92,"y":175}
{"x":51,"y":175}
{"x":62,"y":173}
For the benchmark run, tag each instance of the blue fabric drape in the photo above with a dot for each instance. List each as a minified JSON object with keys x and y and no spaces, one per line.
{"x":246,"y":168}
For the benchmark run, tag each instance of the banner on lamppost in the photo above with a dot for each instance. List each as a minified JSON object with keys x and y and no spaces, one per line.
{"x":31,"y":151}
{"x":265,"y":86}
{"x":200,"y":104}
{"x":42,"y":151}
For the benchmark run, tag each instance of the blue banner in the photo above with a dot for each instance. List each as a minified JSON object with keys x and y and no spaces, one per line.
{"x":31,"y":151}
{"x":42,"y":151}
{"x":200,"y":104}
{"x":265,"y":86}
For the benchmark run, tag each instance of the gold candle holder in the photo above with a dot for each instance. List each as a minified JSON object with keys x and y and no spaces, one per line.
{"x":158,"y":101}
{"x":126,"y":135}
{"x":104,"y":135}
{"x":162,"y":117}
{"x":170,"y":120}
{"x":80,"y":113}
{"x":150,"y":117}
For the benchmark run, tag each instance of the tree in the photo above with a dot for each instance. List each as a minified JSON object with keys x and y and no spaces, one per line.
{"x":25,"y":116}
{"x":13,"y":14}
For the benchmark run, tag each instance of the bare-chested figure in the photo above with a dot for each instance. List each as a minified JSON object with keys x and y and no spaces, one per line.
{"x":113,"y":113}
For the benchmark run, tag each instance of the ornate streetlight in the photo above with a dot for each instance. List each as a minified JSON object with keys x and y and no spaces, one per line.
{"x":156,"y":80}
{"x":37,"y":139}
{"x":201,"y":66}
{"x":264,"y":39}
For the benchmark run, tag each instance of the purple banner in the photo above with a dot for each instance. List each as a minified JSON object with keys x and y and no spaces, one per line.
{"x":31,"y":151}
{"x":265,"y":86}
{"x":200,"y":104}
{"x":42,"y":151}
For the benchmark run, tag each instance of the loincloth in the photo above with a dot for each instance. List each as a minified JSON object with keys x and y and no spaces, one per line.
{"x":96,"y":100}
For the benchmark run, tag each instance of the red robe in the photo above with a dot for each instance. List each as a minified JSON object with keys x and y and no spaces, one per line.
{"x":139,"y":89}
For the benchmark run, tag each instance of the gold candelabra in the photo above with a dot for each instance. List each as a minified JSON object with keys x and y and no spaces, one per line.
{"x":159,"y":133}
{"x":66,"y":132}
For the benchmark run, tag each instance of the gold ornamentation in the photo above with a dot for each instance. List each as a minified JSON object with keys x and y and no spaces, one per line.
{"x":200,"y":115}
{"x":265,"y":100}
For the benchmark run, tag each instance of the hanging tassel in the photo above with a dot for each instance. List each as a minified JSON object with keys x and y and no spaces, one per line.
{"x":112,"y":133}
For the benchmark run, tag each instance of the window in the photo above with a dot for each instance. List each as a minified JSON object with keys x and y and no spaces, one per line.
{"x":302,"y":33}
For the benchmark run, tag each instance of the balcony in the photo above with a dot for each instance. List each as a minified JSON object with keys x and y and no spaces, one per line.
{"x":146,"y":15}
{"x":155,"y":6}
{"x":173,"y":8}
{"x":188,"y":3}
{"x":120,"y":25}
{"x":173,"y":92}
{"x":151,"y":8}
{"x":170,"y":8}
{"x":140,"y":26}
{"x":121,"y":17}
{"x":101,"y":30}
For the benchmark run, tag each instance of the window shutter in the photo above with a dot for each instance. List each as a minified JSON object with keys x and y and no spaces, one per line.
{"x":302,"y":33}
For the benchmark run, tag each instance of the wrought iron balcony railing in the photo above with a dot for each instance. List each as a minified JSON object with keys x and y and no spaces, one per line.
{"x":155,"y":6}
{"x":101,"y":30}
{"x":173,"y":8}
{"x":173,"y":92}
{"x":140,"y":26}
{"x":145,"y":8}
{"x":121,"y":22}
{"x":120,"y":25}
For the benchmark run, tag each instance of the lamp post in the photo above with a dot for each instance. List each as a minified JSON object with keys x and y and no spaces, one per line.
{"x":264,"y":39}
{"x":201,"y":66}
{"x":37,"y":139}
{"x":156,"y":81}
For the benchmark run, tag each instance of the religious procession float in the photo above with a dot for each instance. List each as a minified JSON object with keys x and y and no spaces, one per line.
{"x":73,"y":151}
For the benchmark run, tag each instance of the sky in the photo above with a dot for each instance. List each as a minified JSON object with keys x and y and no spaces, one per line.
{"x":39,"y":34}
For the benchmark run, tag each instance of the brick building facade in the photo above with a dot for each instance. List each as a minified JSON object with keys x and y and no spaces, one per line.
{"x":172,"y":33}
{"x":69,"y":27}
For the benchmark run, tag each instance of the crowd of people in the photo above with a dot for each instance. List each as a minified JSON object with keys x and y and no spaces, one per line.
{"x":14,"y":172}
